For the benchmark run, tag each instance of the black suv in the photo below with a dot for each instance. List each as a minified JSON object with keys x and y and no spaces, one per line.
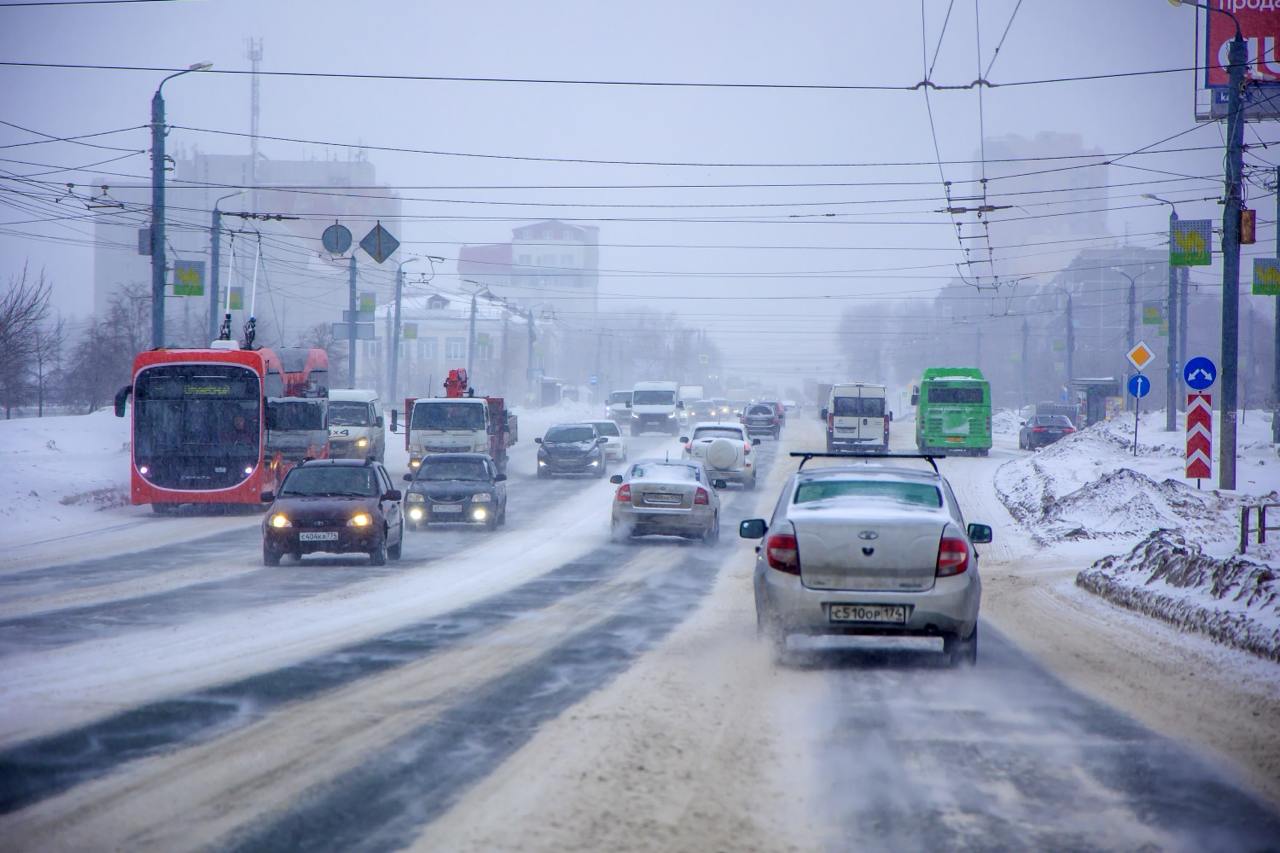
{"x":571,"y":449}
{"x":341,"y":506}
{"x":456,"y":487}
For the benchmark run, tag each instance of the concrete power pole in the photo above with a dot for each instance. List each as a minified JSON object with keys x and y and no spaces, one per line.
{"x":1275,"y":376}
{"x":351,"y":326}
{"x":1238,"y":56}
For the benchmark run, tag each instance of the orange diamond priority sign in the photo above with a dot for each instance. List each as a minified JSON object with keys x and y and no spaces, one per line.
{"x":1140,"y":356}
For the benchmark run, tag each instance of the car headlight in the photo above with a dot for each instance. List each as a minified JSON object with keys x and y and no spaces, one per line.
{"x":280,"y":520}
{"x":414,"y":498}
{"x":416,"y":513}
{"x":482,"y":498}
{"x":248,"y":469}
{"x":542,"y":463}
{"x":479,"y":513}
{"x":144,"y":470}
{"x":671,"y":415}
{"x":360,"y":519}
{"x":364,"y":442}
{"x":595,"y":463}
{"x":414,"y":463}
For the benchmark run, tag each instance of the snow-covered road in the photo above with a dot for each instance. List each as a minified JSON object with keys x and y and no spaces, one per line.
{"x":541,"y":689}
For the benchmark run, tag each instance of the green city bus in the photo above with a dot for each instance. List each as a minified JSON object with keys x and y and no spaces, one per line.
{"x":953,"y":411}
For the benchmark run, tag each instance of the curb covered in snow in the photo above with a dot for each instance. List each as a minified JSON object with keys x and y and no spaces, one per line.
{"x":1233,"y":601}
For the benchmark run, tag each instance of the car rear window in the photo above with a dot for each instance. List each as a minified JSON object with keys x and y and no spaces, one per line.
{"x":859,"y":407}
{"x":717,"y":432}
{"x":915,"y":494}
{"x":663,"y":471}
{"x":607,"y":428}
{"x":760,"y":410}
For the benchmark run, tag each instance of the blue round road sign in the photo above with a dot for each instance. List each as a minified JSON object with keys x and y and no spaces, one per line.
{"x":1199,"y":373}
{"x":1139,"y":385}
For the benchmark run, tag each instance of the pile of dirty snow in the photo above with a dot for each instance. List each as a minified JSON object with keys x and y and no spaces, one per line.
{"x":1007,"y":423}
{"x":1090,"y":485}
{"x":1234,"y":601}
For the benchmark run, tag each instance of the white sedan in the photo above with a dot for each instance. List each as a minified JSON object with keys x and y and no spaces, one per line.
{"x":615,"y":447}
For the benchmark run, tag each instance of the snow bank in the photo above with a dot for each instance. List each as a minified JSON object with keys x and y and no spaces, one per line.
{"x":60,"y":472}
{"x":1007,"y":423}
{"x":1235,"y":601}
{"x":1090,"y":486}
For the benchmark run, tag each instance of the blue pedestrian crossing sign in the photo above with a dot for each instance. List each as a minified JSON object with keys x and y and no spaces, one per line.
{"x":1199,"y":373}
{"x":1139,"y":385}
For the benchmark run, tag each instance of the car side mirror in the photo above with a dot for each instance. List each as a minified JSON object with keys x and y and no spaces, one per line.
{"x":395,"y":422}
{"x":393,"y":495}
{"x":979,"y":534}
{"x":752,"y":528}
{"x":377,"y":421}
{"x":408,"y":478}
{"x":890,"y":414}
{"x":680,"y":404}
{"x":1024,"y":423}
{"x":755,"y":442}
{"x":267,"y":497}
{"x":602,"y":440}
{"x":537,"y":441}
{"x":500,"y":478}
{"x":616,"y":479}
{"x":915,"y":399}
{"x":628,"y":404}
{"x":824,"y":414}
{"x":122,"y":397}
{"x":720,"y":484}
{"x":684,"y":439}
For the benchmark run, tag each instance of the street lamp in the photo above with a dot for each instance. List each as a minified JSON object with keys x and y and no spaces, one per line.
{"x":1237,"y":60}
{"x":1133,"y":303}
{"x":1177,"y":332}
{"x":157,"y":205}
{"x":215,"y":262}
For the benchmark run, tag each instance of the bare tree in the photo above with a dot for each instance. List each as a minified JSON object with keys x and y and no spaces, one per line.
{"x":47,"y":358}
{"x":321,"y":336}
{"x":24,"y":306}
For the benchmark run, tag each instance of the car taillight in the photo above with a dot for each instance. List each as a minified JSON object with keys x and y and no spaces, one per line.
{"x":624,"y":493}
{"x":831,"y":421}
{"x":746,"y":447}
{"x":782,"y":553}
{"x":1068,"y":429}
{"x":953,"y":556}
{"x":701,"y":497}
{"x":1037,"y":429}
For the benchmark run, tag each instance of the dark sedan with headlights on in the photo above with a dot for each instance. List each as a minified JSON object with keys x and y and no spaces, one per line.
{"x":339,"y":506}
{"x":571,"y":449}
{"x":456,"y":488}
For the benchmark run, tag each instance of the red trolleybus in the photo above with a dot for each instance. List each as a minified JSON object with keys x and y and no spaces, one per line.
{"x":199,"y":425}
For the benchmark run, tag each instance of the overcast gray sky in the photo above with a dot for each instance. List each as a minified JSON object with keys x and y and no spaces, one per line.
{"x":805,"y":42}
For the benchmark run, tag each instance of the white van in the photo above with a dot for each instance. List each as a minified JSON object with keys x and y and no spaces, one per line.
{"x":857,"y":418}
{"x":355,"y":424}
{"x":654,"y":406}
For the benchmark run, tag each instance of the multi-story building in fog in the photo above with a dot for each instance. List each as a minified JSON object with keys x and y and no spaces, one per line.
{"x":550,"y":265}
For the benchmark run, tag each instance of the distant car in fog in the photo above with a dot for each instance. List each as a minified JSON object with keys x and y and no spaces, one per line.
{"x":725,"y":448}
{"x":571,"y":449}
{"x":672,"y":498}
{"x":615,"y":446}
{"x":456,"y":488}
{"x":1043,"y":430}
{"x":762,"y":419}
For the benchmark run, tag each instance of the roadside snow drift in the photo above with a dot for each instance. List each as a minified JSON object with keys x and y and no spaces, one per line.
{"x":1234,"y":601}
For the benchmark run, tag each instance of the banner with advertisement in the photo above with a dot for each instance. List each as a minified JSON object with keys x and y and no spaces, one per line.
{"x":188,"y":278}
{"x":1260,"y":28}
{"x":1190,"y":242}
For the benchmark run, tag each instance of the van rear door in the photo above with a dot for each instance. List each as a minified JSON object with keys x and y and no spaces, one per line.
{"x":859,"y":417}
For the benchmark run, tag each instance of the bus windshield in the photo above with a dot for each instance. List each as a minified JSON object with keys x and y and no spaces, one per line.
{"x":197,"y":410}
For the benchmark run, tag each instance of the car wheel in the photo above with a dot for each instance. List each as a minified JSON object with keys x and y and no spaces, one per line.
{"x":543,"y":473}
{"x":394,"y":551}
{"x":502,"y":517}
{"x":751,"y":484}
{"x":270,"y":556}
{"x":962,"y":652}
{"x":378,"y":556}
{"x":712,"y":534}
{"x":491,"y":523}
{"x":777,"y":433}
{"x":619,"y":534}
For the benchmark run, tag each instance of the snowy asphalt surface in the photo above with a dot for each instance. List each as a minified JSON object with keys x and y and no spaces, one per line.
{"x":391,"y":731}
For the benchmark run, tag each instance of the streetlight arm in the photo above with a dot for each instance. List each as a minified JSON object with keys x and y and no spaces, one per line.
{"x":198,"y":66}
{"x":1209,"y":8}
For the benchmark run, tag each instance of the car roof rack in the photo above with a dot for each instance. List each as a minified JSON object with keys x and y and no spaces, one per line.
{"x":805,"y":455}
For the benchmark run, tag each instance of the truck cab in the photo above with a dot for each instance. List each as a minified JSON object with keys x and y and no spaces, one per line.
{"x":458,"y":425}
{"x":857,"y":418}
{"x":355,"y":424}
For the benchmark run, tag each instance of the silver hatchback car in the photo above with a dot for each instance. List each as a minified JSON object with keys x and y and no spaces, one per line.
{"x":868,"y":549}
{"x":676,"y":498}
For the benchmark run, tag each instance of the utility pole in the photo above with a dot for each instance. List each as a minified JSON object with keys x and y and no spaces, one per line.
{"x":1237,"y":57}
{"x":351,"y":326}
{"x":157,"y":205}
{"x":1275,"y":377}
{"x":393,"y":369}
{"x":529,"y":367}
{"x":1175,"y":334}
{"x":1025,"y":382}
{"x":215,"y":261}
{"x":1184,"y":298}
{"x":471,"y":339}
{"x":1071,"y":343}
